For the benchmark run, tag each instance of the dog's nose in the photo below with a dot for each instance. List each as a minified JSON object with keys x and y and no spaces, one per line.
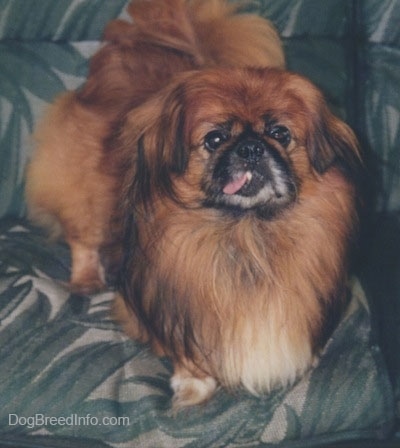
{"x":250,"y":150}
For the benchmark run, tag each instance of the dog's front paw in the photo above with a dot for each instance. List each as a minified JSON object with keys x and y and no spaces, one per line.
{"x":190,"y":390}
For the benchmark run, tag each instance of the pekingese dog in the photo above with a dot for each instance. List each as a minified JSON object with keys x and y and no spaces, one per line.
{"x":216,"y":185}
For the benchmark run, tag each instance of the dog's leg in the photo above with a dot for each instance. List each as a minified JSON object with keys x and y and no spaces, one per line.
{"x":191,"y":389}
{"x":87,"y":274}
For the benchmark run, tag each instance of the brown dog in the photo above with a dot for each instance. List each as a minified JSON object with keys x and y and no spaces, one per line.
{"x":68,"y":192}
{"x":228,"y":190}
{"x":238,"y":184}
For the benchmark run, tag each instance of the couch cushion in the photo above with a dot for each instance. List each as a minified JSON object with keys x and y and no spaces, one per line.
{"x":44,"y":49}
{"x":70,"y":377}
{"x":378,"y":78}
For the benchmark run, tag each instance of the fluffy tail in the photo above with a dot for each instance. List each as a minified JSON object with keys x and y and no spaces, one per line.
{"x":169,"y":36}
{"x":211,"y":32}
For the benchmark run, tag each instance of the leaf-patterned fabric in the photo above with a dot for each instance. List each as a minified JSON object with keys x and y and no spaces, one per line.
{"x":68,"y":376}
{"x":63,"y":358}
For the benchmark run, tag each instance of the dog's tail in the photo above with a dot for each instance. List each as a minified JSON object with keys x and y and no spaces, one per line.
{"x":169,"y":36}
{"x":210,"y":32}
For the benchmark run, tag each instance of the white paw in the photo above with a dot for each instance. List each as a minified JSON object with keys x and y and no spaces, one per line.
{"x":190,"y":391}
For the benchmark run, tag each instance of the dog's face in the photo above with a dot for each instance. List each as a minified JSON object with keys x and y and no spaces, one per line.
{"x":238,"y":140}
{"x":247,"y":165}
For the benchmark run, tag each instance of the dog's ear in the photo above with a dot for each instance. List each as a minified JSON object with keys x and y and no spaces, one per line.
{"x":171,"y":139}
{"x":330,"y":141}
{"x":153,"y":146}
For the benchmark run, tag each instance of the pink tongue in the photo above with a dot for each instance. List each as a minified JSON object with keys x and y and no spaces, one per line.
{"x":235,"y":185}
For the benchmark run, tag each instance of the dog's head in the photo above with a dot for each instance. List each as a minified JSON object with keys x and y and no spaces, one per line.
{"x":240,"y":140}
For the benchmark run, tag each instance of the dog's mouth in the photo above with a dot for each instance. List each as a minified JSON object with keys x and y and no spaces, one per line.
{"x":242,"y":181}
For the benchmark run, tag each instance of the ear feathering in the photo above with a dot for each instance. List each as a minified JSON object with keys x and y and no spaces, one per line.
{"x":330,"y":142}
{"x":153,"y":137}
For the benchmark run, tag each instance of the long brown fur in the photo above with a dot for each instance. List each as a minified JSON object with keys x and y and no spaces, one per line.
{"x":237,"y":298}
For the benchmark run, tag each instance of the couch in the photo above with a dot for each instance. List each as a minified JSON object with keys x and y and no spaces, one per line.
{"x":69,"y":377}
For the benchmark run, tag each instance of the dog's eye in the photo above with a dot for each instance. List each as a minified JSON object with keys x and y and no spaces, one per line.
{"x":214,"y":139}
{"x":280,"y":133}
